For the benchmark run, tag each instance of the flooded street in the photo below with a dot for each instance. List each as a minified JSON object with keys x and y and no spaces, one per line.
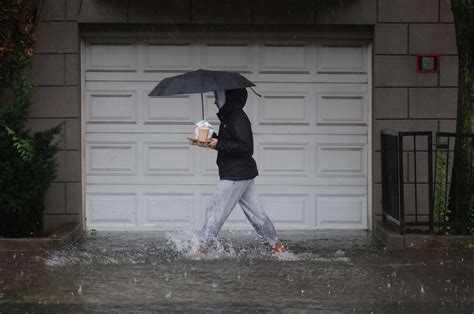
{"x":325,"y":271}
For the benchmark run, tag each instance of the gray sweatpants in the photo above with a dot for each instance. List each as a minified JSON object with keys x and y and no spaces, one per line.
{"x":226,"y":196}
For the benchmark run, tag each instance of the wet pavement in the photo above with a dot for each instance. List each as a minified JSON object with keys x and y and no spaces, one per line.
{"x":325,"y":272}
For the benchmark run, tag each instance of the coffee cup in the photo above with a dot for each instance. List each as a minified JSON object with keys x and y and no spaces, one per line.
{"x":203,"y":134}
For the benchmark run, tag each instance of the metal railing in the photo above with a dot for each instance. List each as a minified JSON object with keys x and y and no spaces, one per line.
{"x":398,"y":180}
{"x":411,"y":197}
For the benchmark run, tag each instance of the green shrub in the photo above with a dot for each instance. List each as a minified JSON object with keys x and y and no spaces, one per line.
{"x":27,"y":161}
{"x":442,"y":211}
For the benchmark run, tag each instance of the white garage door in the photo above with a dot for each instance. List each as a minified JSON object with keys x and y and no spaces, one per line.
{"x":310,"y":129}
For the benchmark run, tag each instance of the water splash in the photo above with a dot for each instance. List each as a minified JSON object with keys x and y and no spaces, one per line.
{"x":159,"y":248}
{"x":186,"y":243}
{"x":183,"y":242}
{"x":286,"y":256}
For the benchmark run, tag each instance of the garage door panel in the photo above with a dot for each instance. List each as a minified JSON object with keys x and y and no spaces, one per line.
{"x":168,"y":208}
{"x":341,"y":211}
{"x":114,"y":208}
{"x":208,"y":166}
{"x":187,"y":130}
{"x":169,"y":57}
{"x":199,"y":189}
{"x":276,"y":85}
{"x":112,"y":55}
{"x":312,"y":181}
{"x":284,"y":159}
{"x":154,"y":78}
{"x":342,"y":104}
{"x":285,"y":58}
{"x":228,"y":56}
{"x":277,"y":155}
{"x":168,"y":110}
{"x":171,"y":207}
{"x":280,"y":107}
{"x":212,"y":180}
{"x":345,"y":59}
{"x":307,"y":131}
{"x":107,"y":106}
{"x":342,"y":160}
{"x":142,"y":137}
{"x":168,"y":159}
{"x":111,"y":158}
{"x":129,"y":102}
{"x":342,"y":109}
{"x":316,"y":138}
{"x":288,"y":209}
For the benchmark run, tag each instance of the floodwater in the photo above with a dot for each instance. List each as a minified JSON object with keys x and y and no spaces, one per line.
{"x":325,"y":271}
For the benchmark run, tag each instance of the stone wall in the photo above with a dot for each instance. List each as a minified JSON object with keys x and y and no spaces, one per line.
{"x":402,"y":99}
{"x":56,"y":74}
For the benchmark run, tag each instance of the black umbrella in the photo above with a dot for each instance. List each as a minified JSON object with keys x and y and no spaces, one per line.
{"x":200,"y":81}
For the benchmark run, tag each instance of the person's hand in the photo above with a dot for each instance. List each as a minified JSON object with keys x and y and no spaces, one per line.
{"x":213,"y":143}
{"x":201,"y":144}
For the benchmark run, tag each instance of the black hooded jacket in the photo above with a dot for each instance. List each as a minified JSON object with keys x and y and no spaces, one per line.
{"x":235,"y":145}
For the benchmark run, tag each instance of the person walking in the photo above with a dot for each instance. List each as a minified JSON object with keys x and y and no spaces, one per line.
{"x":237,"y":170}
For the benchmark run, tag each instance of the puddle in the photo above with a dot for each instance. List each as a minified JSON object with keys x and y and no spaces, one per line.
{"x":323,"y":270}
{"x":176,"y":246}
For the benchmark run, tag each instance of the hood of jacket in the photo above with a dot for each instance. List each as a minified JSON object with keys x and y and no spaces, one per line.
{"x":234,"y":99}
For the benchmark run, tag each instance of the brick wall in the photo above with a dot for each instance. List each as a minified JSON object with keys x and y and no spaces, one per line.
{"x":402,"y":99}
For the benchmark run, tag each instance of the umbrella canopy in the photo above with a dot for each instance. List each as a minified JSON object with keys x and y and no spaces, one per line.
{"x":200,"y":81}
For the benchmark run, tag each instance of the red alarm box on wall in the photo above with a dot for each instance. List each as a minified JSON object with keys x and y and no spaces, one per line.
{"x":427,"y":63}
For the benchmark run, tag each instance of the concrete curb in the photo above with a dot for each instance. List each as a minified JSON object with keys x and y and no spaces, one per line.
{"x":60,"y":237}
{"x":393,"y":240}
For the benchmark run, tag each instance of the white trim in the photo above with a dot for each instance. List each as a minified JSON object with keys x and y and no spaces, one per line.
{"x":369,"y":141}
{"x":83,"y":156}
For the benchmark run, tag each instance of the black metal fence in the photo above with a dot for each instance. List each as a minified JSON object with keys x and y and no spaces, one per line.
{"x":407,"y":184}
{"x":416,"y":178}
